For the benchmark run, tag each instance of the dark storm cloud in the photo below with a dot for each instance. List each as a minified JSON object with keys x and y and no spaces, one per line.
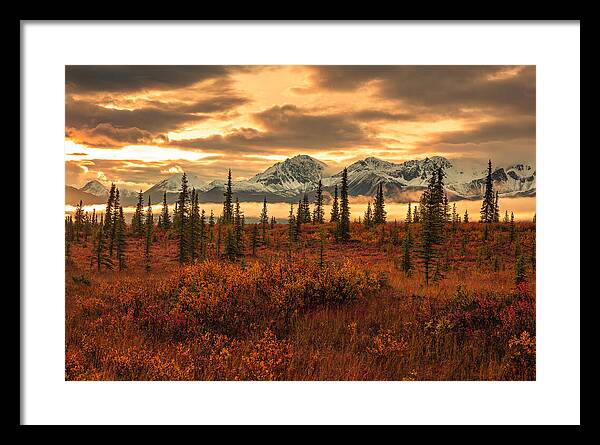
{"x":106,"y":136}
{"x":287,"y":126}
{"x":123,"y":78}
{"x":376,"y":115}
{"x":443,"y":87}
{"x":216,"y":104}
{"x":83,"y":114}
{"x":491,"y":132}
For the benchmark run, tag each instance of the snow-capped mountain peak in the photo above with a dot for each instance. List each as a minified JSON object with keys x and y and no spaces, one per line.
{"x":95,"y":188}
{"x":172,"y":183}
{"x":300,"y":173}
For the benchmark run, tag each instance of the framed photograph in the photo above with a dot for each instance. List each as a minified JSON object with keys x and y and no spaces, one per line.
{"x":285,"y":227}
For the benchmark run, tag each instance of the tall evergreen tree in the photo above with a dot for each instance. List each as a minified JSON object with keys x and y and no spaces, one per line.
{"x":149,"y":227}
{"x":379,"y":206}
{"x":203,"y":238}
{"x":299,"y":217}
{"x":228,"y":202}
{"x":321,"y":248}
{"x":512,"y":228}
{"x":488,"y":208}
{"x":137,"y":222}
{"x":165,"y":218}
{"x":432,"y":221}
{"x":306,"y":218}
{"x":416,"y":215}
{"x":264,"y":221}
{"x":238,"y":228}
{"x":108,"y":218}
{"x":194,"y":226}
{"x":466,"y":217}
{"x":78,"y":225}
{"x":102,"y":259}
{"x":183,"y":220}
{"x":368,"y":218}
{"x":446,"y":209}
{"x":408,"y":219}
{"x":335,"y":208}
{"x":292,"y":227}
{"x":211,"y":227}
{"x":230,"y":244}
{"x":319,"y":212}
{"x":496,"y":209}
{"x":113,"y":228}
{"x":120,"y":238}
{"x":343,"y":226}
{"x":176,"y":222}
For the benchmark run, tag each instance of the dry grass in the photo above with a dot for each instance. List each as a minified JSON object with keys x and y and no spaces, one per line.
{"x":275,"y":318}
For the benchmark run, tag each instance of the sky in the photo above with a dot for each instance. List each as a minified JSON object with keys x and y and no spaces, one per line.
{"x":135,"y":125}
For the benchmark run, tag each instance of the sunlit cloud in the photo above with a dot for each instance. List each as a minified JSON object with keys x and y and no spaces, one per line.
{"x":144,"y":153}
{"x":137,"y":125}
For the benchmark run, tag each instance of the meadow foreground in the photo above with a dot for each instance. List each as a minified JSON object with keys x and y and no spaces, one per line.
{"x":314,"y":309}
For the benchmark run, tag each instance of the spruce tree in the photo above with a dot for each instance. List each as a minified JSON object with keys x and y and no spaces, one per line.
{"x":512,"y":228}
{"x":343,"y":229}
{"x":488,"y":207}
{"x":183,"y":211}
{"x":102,"y":259}
{"x":299,"y":217}
{"x":78,"y":226}
{"x":203,"y":236}
{"x":466,"y":217}
{"x":319,"y":213}
{"x":368,"y":219}
{"x":137,"y":222}
{"x":230,"y":244}
{"x":506,"y":218}
{"x":264,"y":221}
{"x":496,"y":209}
{"x":228,"y":202}
{"x":417,"y":214}
{"x":165,"y":218}
{"x":446,"y":209}
{"x":432,"y":222}
{"x":149,"y":226}
{"x":273,"y":222}
{"x":321,"y":248}
{"x":108,"y":214}
{"x":408,"y":219}
{"x":115,"y":222}
{"x":455,"y":218}
{"x":335,"y":208}
{"x":175,"y":223}
{"x":306,"y":218}
{"x":211,"y":226}
{"x":238,"y":228}
{"x":292,"y":227}
{"x":120,"y":238}
{"x":379,"y":206}
{"x":194,"y":226}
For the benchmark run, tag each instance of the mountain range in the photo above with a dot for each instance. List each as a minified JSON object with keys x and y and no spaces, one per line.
{"x":289,"y":180}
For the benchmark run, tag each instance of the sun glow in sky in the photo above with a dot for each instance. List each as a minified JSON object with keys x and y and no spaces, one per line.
{"x":137,"y":124}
